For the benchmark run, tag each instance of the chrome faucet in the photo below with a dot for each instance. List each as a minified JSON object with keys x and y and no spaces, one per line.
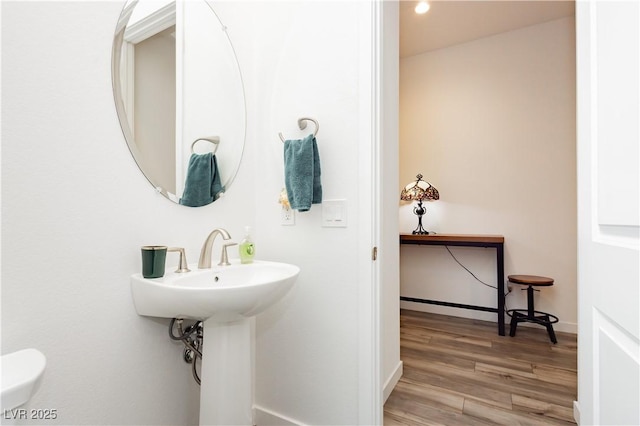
{"x":205,"y":253}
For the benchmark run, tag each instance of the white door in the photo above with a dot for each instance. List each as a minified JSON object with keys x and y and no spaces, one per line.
{"x":608,"y":92}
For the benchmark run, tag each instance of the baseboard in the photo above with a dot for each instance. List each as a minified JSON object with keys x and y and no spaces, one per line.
{"x":391,"y":382}
{"x":576,"y":412}
{"x":562,"y":326}
{"x":566,"y":327}
{"x":264,"y":417}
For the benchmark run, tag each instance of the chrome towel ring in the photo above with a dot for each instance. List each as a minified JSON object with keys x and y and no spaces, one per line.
{"x":302,"y":124}
{"x":213,"y":139}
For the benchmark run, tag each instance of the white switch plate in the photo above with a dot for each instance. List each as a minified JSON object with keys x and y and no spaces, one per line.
{"x":334,"y":213}
{"x":288,"y":217}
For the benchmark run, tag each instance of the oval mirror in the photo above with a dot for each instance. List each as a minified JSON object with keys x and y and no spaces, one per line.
{"x":180,"y":98}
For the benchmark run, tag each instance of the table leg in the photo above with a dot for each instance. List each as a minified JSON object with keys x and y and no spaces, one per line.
{"x":500,"y":264}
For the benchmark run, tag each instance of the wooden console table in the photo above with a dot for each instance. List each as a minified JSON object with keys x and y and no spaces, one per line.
{"x":493,"y":241}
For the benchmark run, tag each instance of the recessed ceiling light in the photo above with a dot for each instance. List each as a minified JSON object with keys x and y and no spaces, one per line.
{"x":422,"y":7}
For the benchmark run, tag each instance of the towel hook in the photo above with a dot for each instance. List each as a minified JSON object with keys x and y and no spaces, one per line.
{"x":213,"y":139}
{"x":302,"y":124}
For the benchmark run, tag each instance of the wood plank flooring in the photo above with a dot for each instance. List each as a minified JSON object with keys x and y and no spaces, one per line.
{"x":458,"y":371}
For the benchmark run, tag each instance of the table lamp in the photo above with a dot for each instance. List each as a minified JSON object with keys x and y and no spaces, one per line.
{"x":419,"y":191}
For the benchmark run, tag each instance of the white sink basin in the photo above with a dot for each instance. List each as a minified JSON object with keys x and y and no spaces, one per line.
{"x":21,"y":374}
{"x":222,"y":293}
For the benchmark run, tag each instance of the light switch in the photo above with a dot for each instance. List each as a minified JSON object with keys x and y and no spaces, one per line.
{"x":334,"y":213}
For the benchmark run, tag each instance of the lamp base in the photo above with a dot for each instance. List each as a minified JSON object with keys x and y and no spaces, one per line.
{"x":420,"y":232}
{"x":419,"y":211}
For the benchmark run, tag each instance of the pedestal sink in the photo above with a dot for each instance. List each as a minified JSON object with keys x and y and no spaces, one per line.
{"x":225,"y":298}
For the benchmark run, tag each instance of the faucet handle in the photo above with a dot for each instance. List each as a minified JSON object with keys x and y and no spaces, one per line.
{"x":224,"y":259}
{"x":182,"y":266}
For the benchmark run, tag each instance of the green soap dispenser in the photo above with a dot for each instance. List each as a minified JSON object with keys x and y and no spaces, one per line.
{"x":247,"y":250}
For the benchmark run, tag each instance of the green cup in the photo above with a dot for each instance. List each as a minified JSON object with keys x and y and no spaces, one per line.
{"x":153,"y":261}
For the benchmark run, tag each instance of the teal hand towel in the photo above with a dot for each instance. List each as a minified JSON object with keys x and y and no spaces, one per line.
{"x":202,"y":185}
{"x":302,"y":173}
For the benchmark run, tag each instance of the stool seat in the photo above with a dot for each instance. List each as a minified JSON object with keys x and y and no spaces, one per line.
{"x":530,"y":314}
{"x":531,"y":280}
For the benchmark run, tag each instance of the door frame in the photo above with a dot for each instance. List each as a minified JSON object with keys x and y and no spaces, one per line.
{"x":379,"y":254}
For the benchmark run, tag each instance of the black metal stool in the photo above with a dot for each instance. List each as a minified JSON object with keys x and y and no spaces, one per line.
{"x":530,"y":314}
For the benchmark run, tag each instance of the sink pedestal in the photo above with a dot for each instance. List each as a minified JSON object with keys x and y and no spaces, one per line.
{"x":226,"y":393}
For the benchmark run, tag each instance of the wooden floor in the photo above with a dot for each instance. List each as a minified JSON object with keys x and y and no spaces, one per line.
{"x":460,"y":372}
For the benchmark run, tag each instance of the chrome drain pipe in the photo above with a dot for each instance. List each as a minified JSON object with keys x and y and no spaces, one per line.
{"x":191,"y":337}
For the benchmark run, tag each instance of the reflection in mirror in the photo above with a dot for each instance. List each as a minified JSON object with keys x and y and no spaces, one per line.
{"x":176,"y":82}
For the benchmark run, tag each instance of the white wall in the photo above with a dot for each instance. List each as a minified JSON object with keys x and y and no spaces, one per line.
{"x":76,"y":210}
{"x":491,"y":124}
{"x":304,"y":59}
